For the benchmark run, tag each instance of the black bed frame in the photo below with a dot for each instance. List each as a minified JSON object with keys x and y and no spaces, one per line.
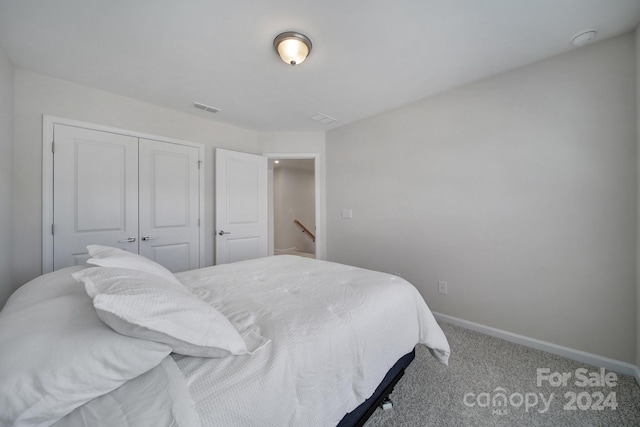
{"x":361,"y":414}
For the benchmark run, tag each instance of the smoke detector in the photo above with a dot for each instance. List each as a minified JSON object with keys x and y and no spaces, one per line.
{"x":583,"y":38}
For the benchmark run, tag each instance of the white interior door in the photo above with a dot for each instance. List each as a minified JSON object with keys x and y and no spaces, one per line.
{"x":169,"y":204}
{"x":241,"y":206}
{"x":95,"y":186}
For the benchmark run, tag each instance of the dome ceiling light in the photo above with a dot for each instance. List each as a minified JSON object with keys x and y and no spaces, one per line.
{"x":292,"y":47}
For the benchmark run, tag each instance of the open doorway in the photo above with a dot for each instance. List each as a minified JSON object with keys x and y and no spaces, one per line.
{"x":292,"y":205}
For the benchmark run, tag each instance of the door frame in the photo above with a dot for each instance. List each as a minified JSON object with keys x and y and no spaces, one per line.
{"x":319,"y":232}
{"x":48,"y":122}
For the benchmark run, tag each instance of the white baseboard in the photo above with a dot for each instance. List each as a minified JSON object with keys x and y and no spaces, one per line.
{"x":569,"y":353}
{"x":276,"y":250}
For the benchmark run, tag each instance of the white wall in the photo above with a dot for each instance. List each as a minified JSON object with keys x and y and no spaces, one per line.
{"x":36,"y":94}
{"x":638,"y":174}
{"x":6,"y":177}
{"x":301,"y":143}
{"x":294,"y":198}
{"x":520,"y":191}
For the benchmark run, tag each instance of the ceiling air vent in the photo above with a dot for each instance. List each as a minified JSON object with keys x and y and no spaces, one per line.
{"x":205,"y":107}
{"x":323,"y":118}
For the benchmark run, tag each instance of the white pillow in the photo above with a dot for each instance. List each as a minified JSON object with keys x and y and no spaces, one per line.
{"x":141,"y":305}
{"x":56,"y":355}
{"x":45,"y":287}
{"x":105,"y":256}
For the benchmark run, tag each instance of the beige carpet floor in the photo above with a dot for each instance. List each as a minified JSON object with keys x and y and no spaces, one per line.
{"x":492,"y":382}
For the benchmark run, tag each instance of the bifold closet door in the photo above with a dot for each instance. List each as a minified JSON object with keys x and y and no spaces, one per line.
{"x":169,"y":204}
{"x":95,"y":187}
{"x":126,"y":192}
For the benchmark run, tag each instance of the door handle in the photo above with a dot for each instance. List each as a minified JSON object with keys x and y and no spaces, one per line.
{"x":127,"y":240}
{"x":221,"y":232}
{"x":145,"y":238}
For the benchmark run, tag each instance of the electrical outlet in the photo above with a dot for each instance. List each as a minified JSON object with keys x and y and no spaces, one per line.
{"x":442,"y":288}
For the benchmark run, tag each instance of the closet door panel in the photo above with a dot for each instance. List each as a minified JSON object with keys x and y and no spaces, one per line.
{"x":95,"y":187}
{"x":169,"y":204}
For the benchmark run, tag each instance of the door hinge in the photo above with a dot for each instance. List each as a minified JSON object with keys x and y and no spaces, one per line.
{"x":199,"y":163}
{"x":53,"y":146}
{"x":198,"y":222}
{"x":53,"y":229}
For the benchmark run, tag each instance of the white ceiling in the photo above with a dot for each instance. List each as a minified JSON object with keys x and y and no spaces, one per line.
{"x":367,"y":57}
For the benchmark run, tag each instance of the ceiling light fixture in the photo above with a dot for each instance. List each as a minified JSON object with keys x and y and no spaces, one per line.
{"x":292,"y":47}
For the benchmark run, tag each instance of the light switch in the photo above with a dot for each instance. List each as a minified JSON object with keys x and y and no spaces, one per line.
{"x":347,"y":214}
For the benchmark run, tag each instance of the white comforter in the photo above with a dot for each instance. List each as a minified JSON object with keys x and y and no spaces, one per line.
{"x":334,"y":332}
{"x":325,"y":335}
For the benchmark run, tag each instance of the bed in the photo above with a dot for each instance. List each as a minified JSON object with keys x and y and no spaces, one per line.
{"x":276,"y":341}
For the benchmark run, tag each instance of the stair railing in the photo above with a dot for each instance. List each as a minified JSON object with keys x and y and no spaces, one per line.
{"x":305,"y":229}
